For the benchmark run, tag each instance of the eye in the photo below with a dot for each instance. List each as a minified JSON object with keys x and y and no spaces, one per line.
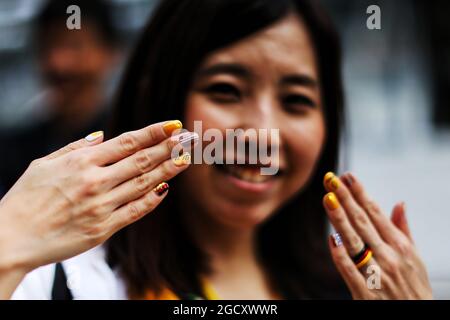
{"x":223,"y":92}
{"x":297,"y":102}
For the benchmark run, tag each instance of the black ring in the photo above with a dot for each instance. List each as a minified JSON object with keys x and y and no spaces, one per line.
{"x":358,"y":257}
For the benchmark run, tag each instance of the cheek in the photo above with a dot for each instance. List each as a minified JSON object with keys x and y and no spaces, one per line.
{"x":194,"y":111}
{"x":199,"y":108}
{"x":305,"y":142}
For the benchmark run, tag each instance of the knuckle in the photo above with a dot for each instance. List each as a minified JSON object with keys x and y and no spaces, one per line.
{"x":355,"y":244}
{"x":151,"y":136}
{"x":72,"y":160}
{"x":149,"y":204}
{"x":69,"y":148}
{"x":94,"y":234}
{"x":95,"y":212}
{"x":372,"y":206}
{"x":72,"y":146}
{"x":80,"y":159}
{"x":360,"y":218}
{"x":339,"y":217}
{"x":142,"y":183}
{"x":93,"y":230}
{"x":82,"y":162}
{"x":391,"y":266}
{"x":36,"y":163}
{"x":409,"y":265}
{"x":143,"y":161}
{"x":91,"y":184}
{"x":128,"y":143}
{"x":109,"y":204}
{"x":166,"y":171}
{"x":404,"y":248}
{"x":133,"y":212}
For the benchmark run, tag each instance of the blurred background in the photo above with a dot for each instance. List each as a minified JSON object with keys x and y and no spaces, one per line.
{"x":397,"y":96}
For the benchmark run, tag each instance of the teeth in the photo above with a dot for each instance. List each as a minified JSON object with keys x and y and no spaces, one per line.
{"x":247,"y":174}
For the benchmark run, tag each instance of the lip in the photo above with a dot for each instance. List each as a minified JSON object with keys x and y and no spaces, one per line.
{"x":250,"y":186}
{"x":247,"y":186}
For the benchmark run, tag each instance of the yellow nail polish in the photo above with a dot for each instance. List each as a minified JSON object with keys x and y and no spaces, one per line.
{"x":94,"y":136}
{"x":171,"y":126}
{"x":327,"y":178}
{"x":334,"y":183}
{"x":331,"y":201}
{"x":182,"y":160}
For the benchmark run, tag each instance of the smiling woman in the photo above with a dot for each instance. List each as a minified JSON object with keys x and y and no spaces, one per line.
{"x":227,"y":231}
{"x":239,"y":64}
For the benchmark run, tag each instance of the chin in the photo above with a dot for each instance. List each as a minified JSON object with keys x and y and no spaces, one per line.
{"x":239,"y":215}
{"x":236,"y":197}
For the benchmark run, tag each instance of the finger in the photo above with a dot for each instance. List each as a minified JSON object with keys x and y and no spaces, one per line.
{"x":400,"y":247}
{"x":398,"y":218}
{"x":91,"y":140}
{"x":355,"y":213}
{"x":344,"y":264}
{"x":130,"y":142}
{"x":137,"y":187}
{"x":139,"y":208}
{"x":147,"y":159}
{"x":379,"y":282}
{"x":352,"y":241}
{"x":384,"y":226}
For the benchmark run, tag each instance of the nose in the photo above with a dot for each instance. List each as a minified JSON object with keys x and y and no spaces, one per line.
{"x":264,"y":119}
{"x":264,"y":115}
{"x":59,"y":60}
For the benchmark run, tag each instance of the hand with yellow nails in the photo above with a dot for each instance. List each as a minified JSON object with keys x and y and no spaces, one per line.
{"x":77,"y":197}
{"x":375,"y":255}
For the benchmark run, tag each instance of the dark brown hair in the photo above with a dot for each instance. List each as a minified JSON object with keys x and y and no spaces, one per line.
{"x":157,"y":251}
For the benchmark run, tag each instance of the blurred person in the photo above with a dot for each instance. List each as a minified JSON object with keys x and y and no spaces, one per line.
{"x":228,"y":232}
{"x":77,"y":197}
{"x":75,"y":66}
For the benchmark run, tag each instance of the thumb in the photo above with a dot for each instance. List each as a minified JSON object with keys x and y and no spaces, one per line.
{"x":90,"y":140}
{"x":398,"y":218}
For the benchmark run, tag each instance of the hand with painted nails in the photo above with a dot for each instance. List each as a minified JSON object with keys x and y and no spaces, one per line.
{"x":76,"y":198}
{"x":375,"y":255}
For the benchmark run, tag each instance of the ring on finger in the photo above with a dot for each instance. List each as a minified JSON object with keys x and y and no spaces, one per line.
{"x":362,"y":258}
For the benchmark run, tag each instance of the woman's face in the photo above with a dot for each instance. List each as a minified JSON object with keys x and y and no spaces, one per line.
{"x":266,"y":81}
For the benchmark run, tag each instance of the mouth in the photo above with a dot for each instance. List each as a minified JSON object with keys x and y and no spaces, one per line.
{"x":247,"y":173}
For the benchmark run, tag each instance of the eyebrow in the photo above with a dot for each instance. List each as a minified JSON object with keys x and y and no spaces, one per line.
{"x":299,"y":79}
{"x":238,"y":70}
{"x":229,"y":68}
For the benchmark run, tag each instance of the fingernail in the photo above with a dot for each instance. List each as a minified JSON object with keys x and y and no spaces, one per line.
{"x":334,"y":183}
{"x":345,"y":179}
{"x":171,"y":126}
{"x":161,"y":188}
{"x":331,"y":201}
{"x":337,"y":240}
{"x":182,"y":160}
{"x":350,"y":178}
{"x":94,"y":136}
{"x":403,"y":204}
{"x":330,"y":181}
{"x":187,"y":140}
{"x":327,"y":178}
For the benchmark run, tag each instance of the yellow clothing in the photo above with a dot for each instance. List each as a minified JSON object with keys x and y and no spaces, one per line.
{"x":208,"y":292}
